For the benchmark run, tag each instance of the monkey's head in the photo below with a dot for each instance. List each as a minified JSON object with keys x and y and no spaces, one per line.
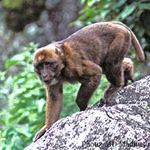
{"x":48,"y":63}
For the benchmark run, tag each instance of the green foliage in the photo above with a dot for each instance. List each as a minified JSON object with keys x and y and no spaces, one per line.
{"x":106,"y":10}
{"x":24,"y":95}
{"x":25,"y":98}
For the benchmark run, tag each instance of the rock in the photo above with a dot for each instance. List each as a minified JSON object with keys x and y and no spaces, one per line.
{"x":125,"y":125}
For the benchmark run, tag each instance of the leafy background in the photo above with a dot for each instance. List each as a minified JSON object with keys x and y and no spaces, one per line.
{"x":23,"y":94}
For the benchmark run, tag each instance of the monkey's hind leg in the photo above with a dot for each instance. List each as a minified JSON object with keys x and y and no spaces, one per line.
{"x":92,"y":72}
{"x":115,"y":76}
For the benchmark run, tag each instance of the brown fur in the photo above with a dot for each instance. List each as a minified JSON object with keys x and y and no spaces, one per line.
{"x":128,"y":68}
{"x":82,"y":57}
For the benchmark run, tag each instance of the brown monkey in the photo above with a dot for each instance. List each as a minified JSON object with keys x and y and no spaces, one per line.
{"x":82,"y":57}
{"x":128,"y":68}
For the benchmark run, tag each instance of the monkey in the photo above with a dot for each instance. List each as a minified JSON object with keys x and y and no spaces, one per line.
{"x":128,"y":69}
{"x":83,"y":57}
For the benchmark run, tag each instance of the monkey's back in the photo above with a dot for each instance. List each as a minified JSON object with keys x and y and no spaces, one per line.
{"x":93,"y":42}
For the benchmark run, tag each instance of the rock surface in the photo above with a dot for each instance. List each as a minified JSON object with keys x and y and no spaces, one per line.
{"x":125,"y":125}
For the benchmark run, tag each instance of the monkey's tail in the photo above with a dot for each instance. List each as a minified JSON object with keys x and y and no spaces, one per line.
{"x":135,"y":43}
{"x":137,"y":47}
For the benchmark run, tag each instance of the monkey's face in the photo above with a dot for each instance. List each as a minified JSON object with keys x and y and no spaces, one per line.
{"x":48,"y":65}
{"x":47,"y":72}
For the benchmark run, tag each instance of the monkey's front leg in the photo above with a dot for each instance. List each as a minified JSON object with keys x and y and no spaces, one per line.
{"x":53,"y":108}
{"x":93,"y":73}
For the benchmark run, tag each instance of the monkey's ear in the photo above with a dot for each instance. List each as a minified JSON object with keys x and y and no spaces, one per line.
{"x":67,"y":48}
{"x":57,"y":51}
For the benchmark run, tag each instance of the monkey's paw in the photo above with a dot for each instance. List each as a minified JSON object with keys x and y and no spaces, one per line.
{"x":40,"y":133}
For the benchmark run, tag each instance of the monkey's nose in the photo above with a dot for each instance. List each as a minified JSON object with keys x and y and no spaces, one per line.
{"x":45,"y":75}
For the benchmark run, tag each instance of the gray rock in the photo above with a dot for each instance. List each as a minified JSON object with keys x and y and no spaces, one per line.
{"x":125,"y":125}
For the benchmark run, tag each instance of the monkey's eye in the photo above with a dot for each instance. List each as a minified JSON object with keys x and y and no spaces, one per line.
{"x":49,"y":64}
{"x":46,"y":63}
{"x":39,"y":67}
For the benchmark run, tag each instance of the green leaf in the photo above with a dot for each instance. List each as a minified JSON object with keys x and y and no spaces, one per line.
{"x":92,"y":2}
{"x":127,"y":11}
{"x":105,"y":13}
{"x":14,"y":60}
{"x":119,"y":4}
{"x":144,"y":6}
{"x":82,"y":1}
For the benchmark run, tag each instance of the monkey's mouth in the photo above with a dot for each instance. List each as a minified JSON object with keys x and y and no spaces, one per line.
{"x":47,"y":82}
